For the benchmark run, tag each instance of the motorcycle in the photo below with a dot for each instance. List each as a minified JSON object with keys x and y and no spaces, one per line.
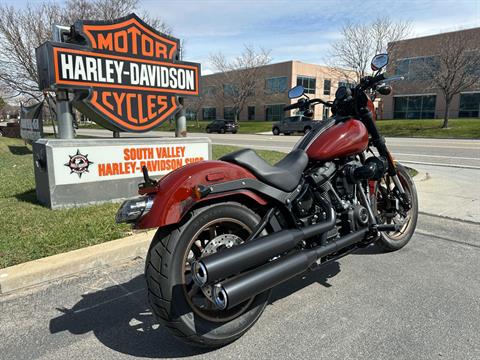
{"x":230,"y":230}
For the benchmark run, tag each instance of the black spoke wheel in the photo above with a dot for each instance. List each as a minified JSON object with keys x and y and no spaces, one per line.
{"x":212,"y":237}
{"x":390,"y":210}
{"x":183,"y":307}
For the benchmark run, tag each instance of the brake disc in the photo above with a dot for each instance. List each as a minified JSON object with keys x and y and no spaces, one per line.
{"x":214,"y":245}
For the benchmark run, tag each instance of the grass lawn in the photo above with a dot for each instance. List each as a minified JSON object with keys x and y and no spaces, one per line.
{"x":246,"y":127}
{"x":30,"y":231}
{"x":430,"y":128}
{"x":458,"y":128}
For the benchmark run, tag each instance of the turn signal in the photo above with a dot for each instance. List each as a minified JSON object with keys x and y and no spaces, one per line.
{"x":200,"y":191}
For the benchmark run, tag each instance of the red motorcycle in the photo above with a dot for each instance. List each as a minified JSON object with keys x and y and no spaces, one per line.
{"x":230,"y":230}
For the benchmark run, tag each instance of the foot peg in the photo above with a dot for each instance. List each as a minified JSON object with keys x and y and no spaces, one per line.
{"x":388,"y":227}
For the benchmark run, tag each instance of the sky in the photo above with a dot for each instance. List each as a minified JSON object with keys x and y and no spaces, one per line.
{"x":293,"y":30}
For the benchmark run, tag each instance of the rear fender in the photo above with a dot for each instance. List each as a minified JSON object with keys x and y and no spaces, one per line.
{"x":173,"y":196}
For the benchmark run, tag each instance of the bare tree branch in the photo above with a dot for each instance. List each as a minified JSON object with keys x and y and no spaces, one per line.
{"x":240,"y":77}
{"x":360,"y":42}
{"x":455,"y":68}
{"x":22,"y":30}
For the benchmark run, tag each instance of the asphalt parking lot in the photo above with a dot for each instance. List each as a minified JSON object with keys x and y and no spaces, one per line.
{"x":422,"y":302}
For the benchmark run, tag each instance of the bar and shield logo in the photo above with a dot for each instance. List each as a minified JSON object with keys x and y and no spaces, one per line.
{"x":124,"y":73}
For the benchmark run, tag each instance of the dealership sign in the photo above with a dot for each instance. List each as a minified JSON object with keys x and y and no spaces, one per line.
{"x":124,"y":73}
{"x":31,"y":124}
{"x":82,"y":164}
{"x":71,"y":172}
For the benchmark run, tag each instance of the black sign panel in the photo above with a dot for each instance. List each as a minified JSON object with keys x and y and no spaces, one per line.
{"x":125,"y":76}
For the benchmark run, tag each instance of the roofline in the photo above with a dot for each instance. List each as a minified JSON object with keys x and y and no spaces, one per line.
{"x":291,"y":61}
{"x":434,"y":35}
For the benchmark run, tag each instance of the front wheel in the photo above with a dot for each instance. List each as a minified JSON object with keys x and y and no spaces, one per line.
{"x":177,"y":302}
{"x":390,"y":210}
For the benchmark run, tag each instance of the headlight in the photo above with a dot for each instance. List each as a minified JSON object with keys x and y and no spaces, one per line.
{"x":132,"y":209}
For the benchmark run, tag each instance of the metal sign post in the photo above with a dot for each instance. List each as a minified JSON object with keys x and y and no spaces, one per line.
{"x":64,"y":115}
{"x":181,"y":120}
{"x":64,"y":108}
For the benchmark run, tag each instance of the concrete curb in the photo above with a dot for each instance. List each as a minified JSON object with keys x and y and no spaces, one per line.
{"x":53,"y":267}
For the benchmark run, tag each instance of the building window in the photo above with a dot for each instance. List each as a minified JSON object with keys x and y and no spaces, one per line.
{"x":209,"y":113}
{"x":416,"y":68}
{"x":190,"y":114}
{"x":251,"y":113}
{"x":229,"y":90}
{"x":346,"y":83}
{"x":274,"y":112}
{"x":209,"y":91}
{"x":309,"y":83}
{"x":469,"y":105}
{"x":414,"y":107}
{"x":327,"y":85}
{"x":276,"y":85}
{"x":228,"y":113}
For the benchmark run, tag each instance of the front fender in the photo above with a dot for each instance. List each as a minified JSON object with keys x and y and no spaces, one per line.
{"x":173,"y":194}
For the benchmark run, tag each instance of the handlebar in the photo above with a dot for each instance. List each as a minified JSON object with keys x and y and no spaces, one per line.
{"x":365,"y":83}
{"x":306,"y":103}
{"x":291,"y":106}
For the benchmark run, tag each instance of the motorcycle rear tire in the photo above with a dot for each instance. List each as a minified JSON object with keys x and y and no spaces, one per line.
{"x":165,"y":281}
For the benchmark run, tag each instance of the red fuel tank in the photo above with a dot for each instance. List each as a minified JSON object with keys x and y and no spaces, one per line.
{"x":344,"y":139}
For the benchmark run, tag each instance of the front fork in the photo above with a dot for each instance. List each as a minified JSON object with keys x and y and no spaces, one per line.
{"x":379,"y":142}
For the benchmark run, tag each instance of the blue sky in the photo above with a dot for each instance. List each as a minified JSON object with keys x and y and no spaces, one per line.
{"x":300,"y":30}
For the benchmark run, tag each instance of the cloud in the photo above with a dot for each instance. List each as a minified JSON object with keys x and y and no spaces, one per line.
{"x":301,"y":30}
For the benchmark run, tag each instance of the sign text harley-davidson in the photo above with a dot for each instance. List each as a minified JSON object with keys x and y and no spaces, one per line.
{"x":124,"y":74}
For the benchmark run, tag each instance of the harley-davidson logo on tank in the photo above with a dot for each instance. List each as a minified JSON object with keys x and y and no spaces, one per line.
{"x":124,"y":73}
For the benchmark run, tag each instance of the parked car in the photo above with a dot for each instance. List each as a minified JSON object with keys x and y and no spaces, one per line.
{"x":222,"y":126}
{"x":293,"y":124}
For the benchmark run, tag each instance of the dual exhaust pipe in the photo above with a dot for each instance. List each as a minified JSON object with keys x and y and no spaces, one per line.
{"x":258,"y":257}
{"x":253,"y":253}
{"x":241,"y":288}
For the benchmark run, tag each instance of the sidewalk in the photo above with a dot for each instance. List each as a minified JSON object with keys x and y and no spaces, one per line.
{"x":449,"y":192}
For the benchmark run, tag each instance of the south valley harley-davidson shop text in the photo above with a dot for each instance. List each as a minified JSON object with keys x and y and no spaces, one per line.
{"x":96,"y":163}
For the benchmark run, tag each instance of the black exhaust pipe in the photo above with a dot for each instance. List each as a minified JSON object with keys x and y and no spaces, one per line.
{"x":253,"y":253}
{"x":234,"y":291}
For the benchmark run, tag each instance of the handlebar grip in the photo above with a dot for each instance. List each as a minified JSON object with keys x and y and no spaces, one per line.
{"x":290,"y":107}
{"x":378,"y":78}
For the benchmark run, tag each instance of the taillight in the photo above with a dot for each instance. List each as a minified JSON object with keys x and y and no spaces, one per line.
{"x":131,"y":209}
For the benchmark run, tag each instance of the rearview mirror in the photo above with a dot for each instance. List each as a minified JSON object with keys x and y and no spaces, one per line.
{"x":296,"y":92}
{"x":379,"y":61}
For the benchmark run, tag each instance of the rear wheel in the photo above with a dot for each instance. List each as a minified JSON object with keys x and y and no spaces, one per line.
{"x":276,"y":131}
{"x":209,"y":131}
{"x":183,"y":307}
{"x":222,"y":131}
{"x":390,"y":210}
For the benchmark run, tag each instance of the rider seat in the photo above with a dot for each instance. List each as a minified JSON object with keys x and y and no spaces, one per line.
{"x":284,"y":175}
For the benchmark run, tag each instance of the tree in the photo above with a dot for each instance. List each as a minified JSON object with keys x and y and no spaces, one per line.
{"x":22,"y":30}
{"x":240,"y":77}
{"x":359,"y":43}
{"x":454,"y":68}
{"x":195,"y":104}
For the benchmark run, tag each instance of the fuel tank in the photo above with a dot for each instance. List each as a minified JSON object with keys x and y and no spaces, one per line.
{"x":343,"y":139}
